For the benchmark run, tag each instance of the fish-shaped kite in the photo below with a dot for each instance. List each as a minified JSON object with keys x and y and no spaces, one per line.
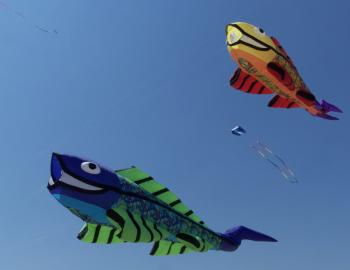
{"x":130,"y":206}
{"x":265,"y":68}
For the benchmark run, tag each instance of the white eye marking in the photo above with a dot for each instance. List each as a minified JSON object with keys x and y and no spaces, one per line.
{"x":90,"y":167}
{"x":251,"y":41}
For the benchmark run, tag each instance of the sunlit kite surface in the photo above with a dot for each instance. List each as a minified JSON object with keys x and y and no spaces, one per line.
{"x":130,"y":206}
{"x":266,"y":68}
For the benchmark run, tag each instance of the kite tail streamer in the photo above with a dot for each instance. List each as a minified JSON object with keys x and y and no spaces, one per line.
{"x":281,"y":165}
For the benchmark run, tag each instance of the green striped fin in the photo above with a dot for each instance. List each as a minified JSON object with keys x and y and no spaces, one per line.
{"x":93,"y":233}
{"x":133,"y":227}
{"x":164,"y":247}
{"x":147,"y":183}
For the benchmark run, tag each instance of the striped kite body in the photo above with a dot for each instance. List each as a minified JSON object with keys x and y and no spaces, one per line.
{"x":130,"y":206}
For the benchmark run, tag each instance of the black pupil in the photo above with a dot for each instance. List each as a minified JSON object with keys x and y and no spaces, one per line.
{"x":92,"y":166}
{"x":261,"y":31}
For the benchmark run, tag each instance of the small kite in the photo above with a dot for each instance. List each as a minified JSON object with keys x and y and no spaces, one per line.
{"x":265,"y":68}
{"x":130,"y":206}
{"x":238,"y":131}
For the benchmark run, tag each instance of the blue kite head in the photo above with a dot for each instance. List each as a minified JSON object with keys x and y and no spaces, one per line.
{"x":83,"y":186}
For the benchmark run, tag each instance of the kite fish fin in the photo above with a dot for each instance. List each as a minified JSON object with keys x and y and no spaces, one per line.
{"x":282,"y":102}
{"x":159,"y":191}
{"x":327,"y":116}
{"x":164,"y":247}
{"x":239,"y":233}
{"x":93,"y":233}
{"x":326,"y":107}
{"x":247,"y":83}
{"x":133,"y":227}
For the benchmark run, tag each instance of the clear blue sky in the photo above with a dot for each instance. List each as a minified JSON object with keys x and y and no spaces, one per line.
{"x":145,"y":83}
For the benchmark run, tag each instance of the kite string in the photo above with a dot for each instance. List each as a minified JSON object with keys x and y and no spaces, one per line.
{"x":25,"y":19}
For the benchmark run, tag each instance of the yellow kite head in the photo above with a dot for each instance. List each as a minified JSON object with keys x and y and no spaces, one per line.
{"x":249,"y":40}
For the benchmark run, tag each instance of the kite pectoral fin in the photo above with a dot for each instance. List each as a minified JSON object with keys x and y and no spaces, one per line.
{"x":282,"y":102}
{"x":164,"y":247}
{"x":247,"y":83}
{"x":93,"y":233}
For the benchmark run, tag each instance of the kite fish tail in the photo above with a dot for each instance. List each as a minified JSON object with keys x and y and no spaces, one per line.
{"x":328,"y":107}
{"x":232,"y":238}
{"x":325,"y":108}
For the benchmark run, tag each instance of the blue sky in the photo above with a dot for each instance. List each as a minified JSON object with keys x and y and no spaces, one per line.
{"x":146,"y":83}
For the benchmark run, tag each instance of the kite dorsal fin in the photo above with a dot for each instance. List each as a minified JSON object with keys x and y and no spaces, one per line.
{"x":148,"y":184}
{"x":164,"y":247}
{"x":247,"y":83}
{"x":101,"y":234}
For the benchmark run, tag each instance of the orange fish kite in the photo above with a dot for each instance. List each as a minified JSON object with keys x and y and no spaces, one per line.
{"x":265,"y":68}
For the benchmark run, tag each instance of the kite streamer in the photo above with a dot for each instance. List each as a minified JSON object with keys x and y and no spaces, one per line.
{"x":275,"y":160}
{"x":267,"y":154}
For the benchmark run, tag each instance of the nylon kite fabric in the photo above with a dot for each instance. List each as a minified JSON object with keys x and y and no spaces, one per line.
{"x":238,"y":131}
{"x":130,"y":206}
{"x":266,"y":68}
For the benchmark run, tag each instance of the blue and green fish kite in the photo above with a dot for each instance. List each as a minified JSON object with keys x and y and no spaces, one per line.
{"x":130,"y":206}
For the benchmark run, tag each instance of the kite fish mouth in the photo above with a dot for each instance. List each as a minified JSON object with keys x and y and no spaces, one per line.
{"x":61,"y":178}
{"x":236,"y":35}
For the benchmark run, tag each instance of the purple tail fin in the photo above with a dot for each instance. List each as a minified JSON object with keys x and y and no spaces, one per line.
{"x":327,"y":116}
{"x":235,"y":236}
{"x":326,"y":107}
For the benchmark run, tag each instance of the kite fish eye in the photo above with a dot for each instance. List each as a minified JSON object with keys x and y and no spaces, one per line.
{"x":259,"y":31}
{"x":90,"y":167}
{"x":81,"y":174}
